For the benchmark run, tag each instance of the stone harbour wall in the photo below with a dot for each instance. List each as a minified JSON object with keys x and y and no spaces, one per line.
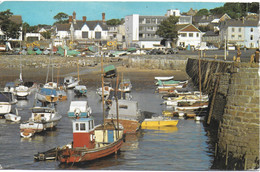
{"x":164,"y":62}
{"x":234,"y":109}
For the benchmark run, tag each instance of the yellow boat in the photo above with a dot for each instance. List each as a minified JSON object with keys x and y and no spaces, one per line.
{"x":159,"y":122}
{"x":164,"y":129}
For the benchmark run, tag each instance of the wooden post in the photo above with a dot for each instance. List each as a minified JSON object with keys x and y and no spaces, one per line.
{"x":245,"y":162}
{"x":226,"y":163}
{"x":216,"y":149}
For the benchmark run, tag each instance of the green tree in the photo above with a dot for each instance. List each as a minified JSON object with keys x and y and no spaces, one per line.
{"x":9,"y":28}
{"x":203,"y":12}
{"x":236,"y":10}
{"x":167,"y":29}
{"x":46,"y":35}
{"x":61,"y":18}
{"x":115,"y":22}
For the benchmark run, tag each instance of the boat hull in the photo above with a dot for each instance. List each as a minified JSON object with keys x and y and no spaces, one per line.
{"x":75,"y":155}
{"x":159,"y":123}
{"x":12,"y":117}
{"x":130,"y":126}
{"x":47,"y":98}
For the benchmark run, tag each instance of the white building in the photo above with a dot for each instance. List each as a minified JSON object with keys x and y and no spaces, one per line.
{"x":240,"y":33}
{"x":189,"y":35}
{"x":141,"y":30}
{"x":176,"y":13}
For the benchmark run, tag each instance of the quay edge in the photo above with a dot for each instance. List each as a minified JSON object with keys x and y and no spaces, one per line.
{"x":235,"y":110}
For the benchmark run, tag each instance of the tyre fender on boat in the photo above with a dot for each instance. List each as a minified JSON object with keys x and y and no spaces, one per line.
{"x":92,"y":137}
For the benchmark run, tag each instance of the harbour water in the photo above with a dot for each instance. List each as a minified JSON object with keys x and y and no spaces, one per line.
{"x":185,"y":147}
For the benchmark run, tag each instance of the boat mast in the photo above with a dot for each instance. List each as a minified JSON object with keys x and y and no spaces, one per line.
{"x":78,"y":69}
{"x":117,"y":113}
{"x":102,"y":81}
{"x":200,"y":76}
{"x":21,"y":75}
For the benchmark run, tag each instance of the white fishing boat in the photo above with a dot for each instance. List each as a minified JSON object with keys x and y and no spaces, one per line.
{"x":22,"y":91}
{"x":42,"y":118}
{"x":79,"y":109}
{"x":9,"y":87}
{"x":7,"y":100}
{"x":164,"y":78}
{"x":71,"y":82}
{"x":80,"y":90}
{"x":107,"y":90}
{"x":13,"y":117}
{"x":51,"y":85}
{"x":125,"y":85}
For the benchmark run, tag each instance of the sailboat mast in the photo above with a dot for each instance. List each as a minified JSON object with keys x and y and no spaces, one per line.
{"x":102,"y":81}
{"x":117,"y":113}
{"x":21,"y":75}
{"x":78,"y":69}
{"x":200,"y":77}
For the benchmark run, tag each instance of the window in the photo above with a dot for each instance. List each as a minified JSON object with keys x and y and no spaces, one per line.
{"x":252,"y":29}
{"x":89,"y":125}
{"x":233,"y":29}
{"x":142,"y":21}
{"x":183,"y":34}
{"x":98,"y":35}
{"x":148,"y":21}
{"x":239,"y":29}
{"x":239,"y":36}
{"x":153,"y":21}
{"x":123,"y":107}
{"x":251,"y":37}
{"x":190,"y":34}
{"x":82,"y":126}
{"x":77,"y":127}
{"x":84,"y":34}
{"x":197,"y":34}
{"x":232,"y":36}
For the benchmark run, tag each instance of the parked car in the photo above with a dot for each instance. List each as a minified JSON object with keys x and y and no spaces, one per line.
{"x":155,"y":52}
{"x":212,"y":47}
{"x":172,"y":51}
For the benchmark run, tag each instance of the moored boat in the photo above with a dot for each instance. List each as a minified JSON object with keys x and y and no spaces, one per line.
{"x":129,"y":116}
{"x":91,"y":142}
{"x":159,"y":122}
{"x":71,"y":82}
{"x":13,"y":117}
{"x":42,"y":118}
{"x":7,"y":101}
{"x":79,"y":109}
{"x":125,"y":85}
{"x":47,"y":95}
{"x":80,"y":90}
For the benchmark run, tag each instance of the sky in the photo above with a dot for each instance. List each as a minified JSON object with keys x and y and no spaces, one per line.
{"x":42,"y":12}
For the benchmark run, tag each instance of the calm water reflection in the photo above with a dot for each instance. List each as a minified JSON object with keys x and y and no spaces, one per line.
{"x":176,"y":148}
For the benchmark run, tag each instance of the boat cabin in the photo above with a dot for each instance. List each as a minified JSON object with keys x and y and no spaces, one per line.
{"x":79,"y":109}
{"x":42,"y":113}
{"x":110,"y":71}
{"x":83,"y":133}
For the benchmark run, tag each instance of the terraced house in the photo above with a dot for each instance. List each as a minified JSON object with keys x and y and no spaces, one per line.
{"x":240,"y":32}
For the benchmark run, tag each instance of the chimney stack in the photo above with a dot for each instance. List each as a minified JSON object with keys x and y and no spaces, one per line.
{"x":74,"y":15}
{"x":103,"y":17}
{"x":84,"y":18}
{"x":70,"y":19}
